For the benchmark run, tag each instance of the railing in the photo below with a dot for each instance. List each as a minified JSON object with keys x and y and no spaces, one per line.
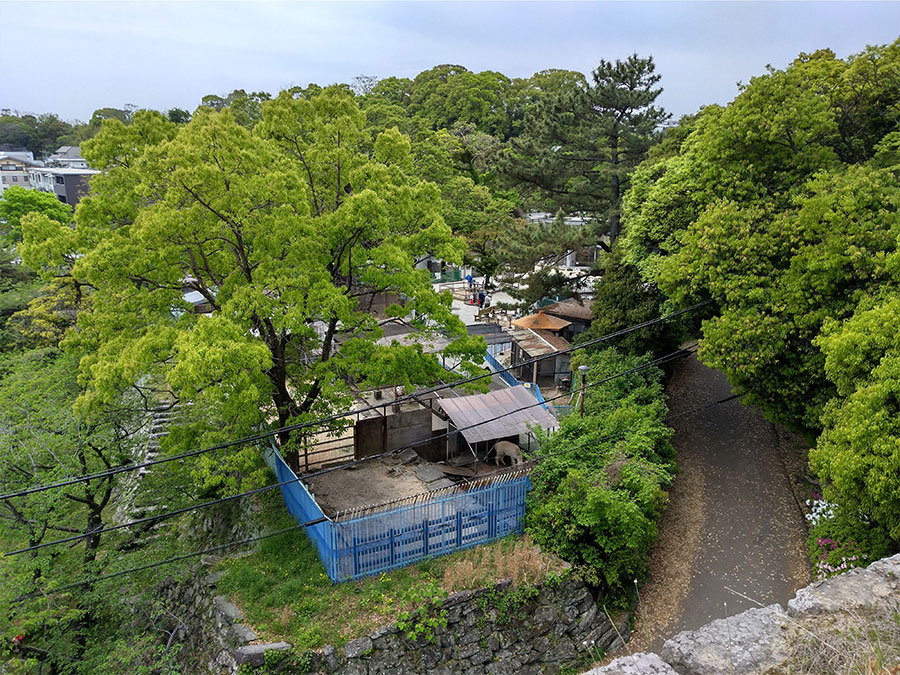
{"x":496,"y":366}
{"x":372,"y":539}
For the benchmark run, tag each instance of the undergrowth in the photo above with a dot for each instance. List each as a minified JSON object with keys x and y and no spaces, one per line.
{"x":286,"y":595}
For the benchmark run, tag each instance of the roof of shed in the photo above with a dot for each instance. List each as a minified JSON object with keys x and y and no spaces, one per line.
{"x":570,"y":308}
{"x":537,"y":343}
{"x":541,"y":321}
{"x":497,"y":414}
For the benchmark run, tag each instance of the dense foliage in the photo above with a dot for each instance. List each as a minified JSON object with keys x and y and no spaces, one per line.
{"x":599,"y":484}
{"x":783,"y":208}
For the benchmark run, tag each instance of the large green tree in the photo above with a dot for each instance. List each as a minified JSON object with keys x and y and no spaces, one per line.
{"x":581,"y":144}
{"x":286,"y":233}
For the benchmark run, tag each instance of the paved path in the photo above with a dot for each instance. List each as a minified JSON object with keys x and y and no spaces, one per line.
{"x":732,"y":519}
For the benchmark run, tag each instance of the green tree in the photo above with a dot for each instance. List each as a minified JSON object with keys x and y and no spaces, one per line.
{"x":581,"y":145}
{"x":43,"y":442}
{"x":858,"y":452}
{"x":284,"y":232}
{"x":17,"y":202}
{"x":178,"y":115}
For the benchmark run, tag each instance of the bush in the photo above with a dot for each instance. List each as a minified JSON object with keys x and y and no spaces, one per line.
{"x":840,"y":540}
{"x":599,"y":484}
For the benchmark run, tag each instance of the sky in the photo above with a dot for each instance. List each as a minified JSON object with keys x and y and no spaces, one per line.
{"x":75,"y":57}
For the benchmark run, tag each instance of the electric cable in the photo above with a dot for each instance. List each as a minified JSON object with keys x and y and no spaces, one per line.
{"x":161,"y":516}
{"x":331,"y":418}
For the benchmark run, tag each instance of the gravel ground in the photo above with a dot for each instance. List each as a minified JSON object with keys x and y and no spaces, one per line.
{"x":733,"y":520}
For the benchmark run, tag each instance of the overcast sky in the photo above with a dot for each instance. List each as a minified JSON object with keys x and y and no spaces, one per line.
{"x":72,"y":57}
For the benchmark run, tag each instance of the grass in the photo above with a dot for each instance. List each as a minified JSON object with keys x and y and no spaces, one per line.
{"x":286,"y":595}
{"x":858,"y":642}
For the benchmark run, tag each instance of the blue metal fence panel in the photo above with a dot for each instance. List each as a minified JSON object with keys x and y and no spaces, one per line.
{"x":495,"y":365}
{"x":383,"y":540}
{"x":375,"y":543}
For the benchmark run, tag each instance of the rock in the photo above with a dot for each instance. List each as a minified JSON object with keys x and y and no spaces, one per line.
{"x":213,"y":579}
{"x":225,"y":606}
{"x":408,"y":456}
{"x":636,"y":664}
{"x":750,"y":642}
{"x":255,"y":655}
{"x":358,"y":647}
{"x":441,"y":483}
{"x":428,"y":473}
{"x":887,"y":567}
{"x":859,"y":588}
{"x":243,"y":632}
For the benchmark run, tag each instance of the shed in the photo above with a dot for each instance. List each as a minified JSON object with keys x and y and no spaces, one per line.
{"x":497,"y":415}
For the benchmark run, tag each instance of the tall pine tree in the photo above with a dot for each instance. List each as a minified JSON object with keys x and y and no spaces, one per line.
{"x":581,"y":144}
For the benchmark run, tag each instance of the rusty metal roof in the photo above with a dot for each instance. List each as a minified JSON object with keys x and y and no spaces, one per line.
{"x":534,"y":344}
{"x":541,"y":321}
{"x":497,"y":414}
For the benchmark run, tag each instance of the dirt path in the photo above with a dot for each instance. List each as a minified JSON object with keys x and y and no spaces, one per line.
{"x":732,"y":520}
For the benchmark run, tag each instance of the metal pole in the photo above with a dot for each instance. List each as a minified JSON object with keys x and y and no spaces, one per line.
{"x":583,"y":370}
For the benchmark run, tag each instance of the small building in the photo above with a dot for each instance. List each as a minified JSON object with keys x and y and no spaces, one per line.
{"x":68,"y":157}
{"x":529,"y":344}
{"x":578,"y":315}
{"x":14,"y":168}
{"x":69,"y":185}
{"x":484,"y":419}
{"x":498,"y":340}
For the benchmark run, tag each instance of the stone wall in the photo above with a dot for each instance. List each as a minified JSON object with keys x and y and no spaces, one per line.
{"x":832,"y":618}
{"x":560,"y":627}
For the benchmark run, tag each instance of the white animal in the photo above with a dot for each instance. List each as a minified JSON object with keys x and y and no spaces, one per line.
{"x":506,"y":449}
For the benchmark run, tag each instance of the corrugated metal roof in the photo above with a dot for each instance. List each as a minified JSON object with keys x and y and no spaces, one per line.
{"x":515,"y":407}
{"x":532,"y":343}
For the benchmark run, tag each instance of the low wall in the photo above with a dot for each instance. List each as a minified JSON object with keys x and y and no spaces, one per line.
{"x":838,"y":625}
{"x":561,"y":627}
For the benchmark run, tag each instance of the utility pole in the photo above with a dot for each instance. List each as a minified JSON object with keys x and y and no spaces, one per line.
{"x":583,"y":370}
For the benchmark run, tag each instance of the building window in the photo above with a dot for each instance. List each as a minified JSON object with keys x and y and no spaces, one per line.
{"x":15,"y":179}
{"x":61,"y":198}
{"x":60,"y":180}
{"x":4,"y":179}
{"x":8,"y":167}
{"x":25,"y":178}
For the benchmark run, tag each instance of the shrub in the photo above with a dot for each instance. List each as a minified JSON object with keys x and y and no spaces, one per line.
{"x":840,"y":541}
{"x":599,"y":484}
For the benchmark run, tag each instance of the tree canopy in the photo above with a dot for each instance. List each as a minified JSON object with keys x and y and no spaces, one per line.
{"x":783,"y":208}
{"x":286,"y":232}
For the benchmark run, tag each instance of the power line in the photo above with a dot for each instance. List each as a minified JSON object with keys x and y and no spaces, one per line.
{"x":251,"y":540}
{"x":297,"y":427}
{"x":103,"y":577}
{"x":141,"y":521}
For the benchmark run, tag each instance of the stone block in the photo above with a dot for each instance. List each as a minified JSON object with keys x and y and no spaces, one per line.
{"x":857,"y":589}
{"x":227,"y":608}
{"x":255,"y":655}
{"x":636,"y":664}
{"x":242,"y":633}
{"x":213,"y":579}
{"x":356,"y":648}
{"x":428,"y":473}
{"x":750,"y":642}
{"x":409,"y":456}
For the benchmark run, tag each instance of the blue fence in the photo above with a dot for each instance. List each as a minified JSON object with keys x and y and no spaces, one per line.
{"x":371,"y":540}
{"x":495,"y":366}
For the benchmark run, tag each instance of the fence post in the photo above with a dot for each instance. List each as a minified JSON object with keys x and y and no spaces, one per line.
{"x":392,"y":546}
{"x":459,"y":529}
{"x":425,"y":536}
{"x":355,"y":556}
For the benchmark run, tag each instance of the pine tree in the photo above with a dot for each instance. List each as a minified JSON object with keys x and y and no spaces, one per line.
{"x":581,"y":145}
